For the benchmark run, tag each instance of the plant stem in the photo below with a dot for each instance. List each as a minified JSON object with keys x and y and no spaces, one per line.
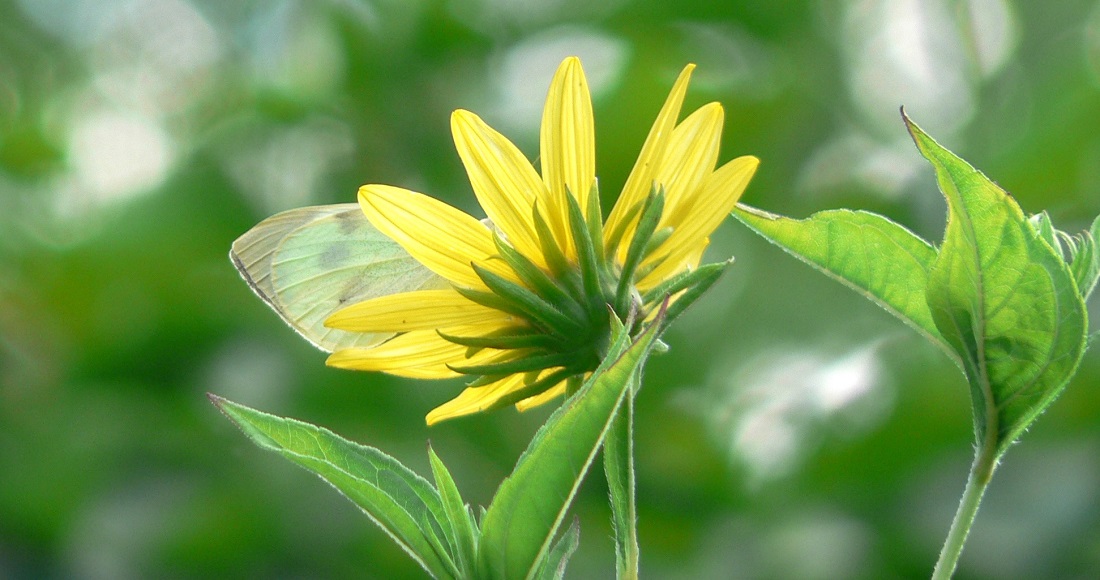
{"x":981,"y":472}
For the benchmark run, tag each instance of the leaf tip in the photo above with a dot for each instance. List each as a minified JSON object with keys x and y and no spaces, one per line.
{"x":914,"y":130}
{"x":218,"y":402}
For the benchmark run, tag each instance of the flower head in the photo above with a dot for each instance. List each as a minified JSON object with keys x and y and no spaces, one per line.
{"x":528,"y":311}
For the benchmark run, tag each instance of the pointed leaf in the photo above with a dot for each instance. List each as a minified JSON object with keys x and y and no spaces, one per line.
{"x":1002,"y":298}
{"x":1086,"y":260}
{"x":519,"y":527}
{"x":460,"y":520}
{"x":553,"y":566}
{"x":874,"y":256}
{"x":401,"y":502}
{"x":618,"y":454}
{"x":1046,"y":230}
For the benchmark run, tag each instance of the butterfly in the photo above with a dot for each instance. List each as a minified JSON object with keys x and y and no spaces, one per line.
{"x":309,"y":262}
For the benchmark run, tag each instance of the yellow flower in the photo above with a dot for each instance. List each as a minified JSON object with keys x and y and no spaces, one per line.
{"x":532,"y":291}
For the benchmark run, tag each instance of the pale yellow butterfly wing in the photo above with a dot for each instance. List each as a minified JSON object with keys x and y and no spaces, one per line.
{"x":309,"y":262}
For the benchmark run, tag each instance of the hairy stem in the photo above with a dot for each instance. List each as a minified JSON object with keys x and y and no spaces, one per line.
{"x":981,"y":472}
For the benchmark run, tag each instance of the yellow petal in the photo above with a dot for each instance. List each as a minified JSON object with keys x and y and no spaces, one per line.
{"x":417,"y":310}
{"x":503,"y":179}
{"x":475,"y":399}
{"x":670,"y":268}
{"x":440,"y":370}
{"x":541,"y":398}
{"x":567,"y":147}
{"x":688,"y":160}
{"x":698,"y":215}
{"x":422,"y":348}
{"x":640,"y":182}
{"x":443,"y":238}
{"x":421,"y":354}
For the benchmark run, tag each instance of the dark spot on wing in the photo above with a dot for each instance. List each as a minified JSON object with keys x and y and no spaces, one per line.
{"x":334,"y":255}
{"x":348,"y":221}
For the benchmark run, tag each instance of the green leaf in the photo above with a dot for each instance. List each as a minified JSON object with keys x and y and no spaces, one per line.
{"x":998,"y":297}
{"x":401,"y":502}
{"x":553,"y":566}
{"x":1003,"y":299}
{"x":874,"y":256}
{"x":519,"y":527}
{"x":1046,"y":230}
{"x":1086,"y":260}
{"x":618,"y":454}
{"x":460,"y":521}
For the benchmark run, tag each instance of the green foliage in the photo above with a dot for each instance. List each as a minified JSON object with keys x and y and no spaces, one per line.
{"x":401,"y":502}
{"x":876,"y":257}
{"x":460,"y":520}
{"x":997,"y":296}
{"x":1003,"y":299}
{"x":519,"y":528}
{"x":118,"y":305}
{"x":553,"y":566}
{"x":619,"y":467}
{"x":1079,"y":251}
{"x":433,"y":524}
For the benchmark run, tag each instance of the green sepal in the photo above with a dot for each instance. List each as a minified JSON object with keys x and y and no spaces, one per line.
{"x":534,"y":308}
{"x":659,"y":237}
{"x":586,"y":255}
{"x":504,"y":339}
{"x":490,"y":300}
{"x":707,"y":279}
{"x":594,"y":218}
{"x":616,"y":236}
{"x":398,"y":500}
{"x":636,"y":251}
{"x":555,"y":260}
{"x":534,"y":277}
{"x":483,"y":380}
{"x":682,"y":281}
{"x":646,"y":269}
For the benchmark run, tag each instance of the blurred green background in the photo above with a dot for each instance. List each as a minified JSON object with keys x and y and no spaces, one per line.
{"x":793,"y":431}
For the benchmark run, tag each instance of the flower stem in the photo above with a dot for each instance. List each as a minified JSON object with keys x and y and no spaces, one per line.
{"x":981,"y":472}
